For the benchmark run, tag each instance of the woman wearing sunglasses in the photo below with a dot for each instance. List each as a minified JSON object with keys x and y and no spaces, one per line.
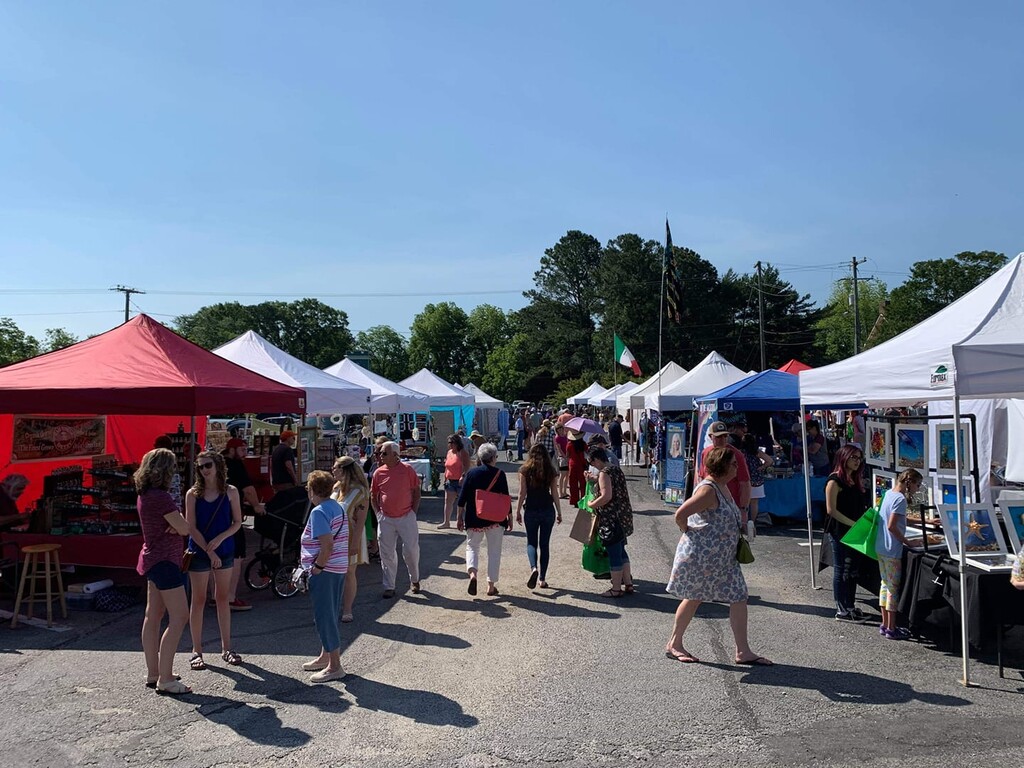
{"x":213,"y":508}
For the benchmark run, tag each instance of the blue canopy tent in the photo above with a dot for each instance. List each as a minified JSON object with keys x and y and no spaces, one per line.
{"x":766,"y":391}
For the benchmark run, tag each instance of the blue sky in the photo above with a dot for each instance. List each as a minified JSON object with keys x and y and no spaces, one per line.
{"x":210,"y":152}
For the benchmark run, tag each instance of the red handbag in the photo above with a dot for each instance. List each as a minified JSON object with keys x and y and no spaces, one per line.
{"x":493,"y":507}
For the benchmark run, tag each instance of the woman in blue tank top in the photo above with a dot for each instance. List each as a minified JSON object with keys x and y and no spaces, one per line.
{"x":213,"y":508}
{"x":538,"y":493}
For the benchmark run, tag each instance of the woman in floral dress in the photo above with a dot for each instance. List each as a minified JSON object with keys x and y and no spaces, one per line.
{"x":705,"y":567}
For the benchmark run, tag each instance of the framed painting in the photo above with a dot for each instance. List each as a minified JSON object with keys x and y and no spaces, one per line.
{"x":984,"y":536}
{"x":945,"y":490}
{"x":945,"y":461}
{"x":1011,"y":504}
{"x":879,"y":444}
{"x":881,"y":482}
{"x":912,"y":448}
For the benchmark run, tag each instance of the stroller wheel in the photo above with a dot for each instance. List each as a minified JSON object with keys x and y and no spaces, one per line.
{"x":258,"y":574}
{"x":283,"y":586}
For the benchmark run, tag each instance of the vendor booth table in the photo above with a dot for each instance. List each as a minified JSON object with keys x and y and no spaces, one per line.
{"x":787,"y":497}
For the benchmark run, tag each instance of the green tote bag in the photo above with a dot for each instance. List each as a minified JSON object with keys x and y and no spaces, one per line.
{"x":863,"y":535}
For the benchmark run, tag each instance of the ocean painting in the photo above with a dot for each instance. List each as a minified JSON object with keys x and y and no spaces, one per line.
{"x":947,"y":455}
{"x":1011,"y":504}
{"x":984,"y":536}
{"x":912,"y":447}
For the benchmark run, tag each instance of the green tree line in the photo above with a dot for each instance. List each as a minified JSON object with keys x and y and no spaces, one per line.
{"x":584,"y":293}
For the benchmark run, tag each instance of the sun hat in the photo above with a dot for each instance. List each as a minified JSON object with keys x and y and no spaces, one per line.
{"x":475,"y":433}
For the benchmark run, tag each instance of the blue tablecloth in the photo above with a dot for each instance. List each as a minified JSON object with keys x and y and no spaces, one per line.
{"x":785,"y":497}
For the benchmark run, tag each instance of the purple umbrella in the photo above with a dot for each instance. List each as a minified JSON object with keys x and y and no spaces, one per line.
{"x":584,"y":426}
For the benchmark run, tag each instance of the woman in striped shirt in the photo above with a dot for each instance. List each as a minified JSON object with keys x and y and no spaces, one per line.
{"x":325,"y":557}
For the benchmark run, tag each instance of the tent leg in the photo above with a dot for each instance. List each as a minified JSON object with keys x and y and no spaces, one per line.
{"x":962,"y":565}
{"x":807,"y":499}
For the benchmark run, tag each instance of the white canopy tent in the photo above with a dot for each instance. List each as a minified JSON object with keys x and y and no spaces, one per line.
{"x":440,"y":393}
{"x":483,"y":400}
{"x":324,"y":393}
{"x":610,"y":396}
{"x":581,"y":398}
{"x":974,"y":348}
{"x":669,"y":373}
{"x":386,"y":396}
{"x":709,"y":375}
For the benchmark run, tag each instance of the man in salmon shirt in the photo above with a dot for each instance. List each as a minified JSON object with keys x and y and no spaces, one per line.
{"x":739,"y":486}
{"x":395,"y":492}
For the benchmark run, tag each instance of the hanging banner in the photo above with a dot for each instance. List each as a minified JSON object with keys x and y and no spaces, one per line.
{"x":704,"y":421}
{"x":46,"y":438}
{"x":675,"y":461}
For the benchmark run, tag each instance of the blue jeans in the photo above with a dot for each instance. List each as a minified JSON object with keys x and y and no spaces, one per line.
{"x":617,"y":556}
{"x":520,"y":442}
{"x":325,"y":594}
{"x":539,"y":524}
{"x":844,"y":575}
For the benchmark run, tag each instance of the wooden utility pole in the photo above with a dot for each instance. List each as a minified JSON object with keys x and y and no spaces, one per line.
{"x":127,"y":297}
{"x":760,"y":315}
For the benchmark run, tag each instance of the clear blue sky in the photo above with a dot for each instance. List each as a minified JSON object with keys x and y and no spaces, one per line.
{"x":278,"y":150}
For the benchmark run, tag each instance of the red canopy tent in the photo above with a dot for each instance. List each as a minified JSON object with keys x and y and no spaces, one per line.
{"x":795,"y":366}
{"x":144,"y":377}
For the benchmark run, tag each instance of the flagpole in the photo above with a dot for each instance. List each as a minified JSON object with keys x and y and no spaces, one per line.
{"x":615,"y":363}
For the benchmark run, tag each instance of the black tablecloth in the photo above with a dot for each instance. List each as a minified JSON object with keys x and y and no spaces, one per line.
{"x":931,"y":594}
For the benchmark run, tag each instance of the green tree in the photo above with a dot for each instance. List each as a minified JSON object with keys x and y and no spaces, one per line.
{"x":789,"y":321}
{"x":934,"y":284}
{"x":438,"y":340}
{"x":59,"y":338}
{"x":488,"y":329}
{"x":15,"y":344}
{"x":505,"y":367}
{"x":629,"y":283}
{"x":707,"y":312}
{"x":389,"y":353}
{"x":565,"y":306}
{"x":834,"y":329}
{"x":308,"y":329}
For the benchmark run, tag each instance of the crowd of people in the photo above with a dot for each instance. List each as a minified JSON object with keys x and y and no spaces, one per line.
{"x":559,"y":464}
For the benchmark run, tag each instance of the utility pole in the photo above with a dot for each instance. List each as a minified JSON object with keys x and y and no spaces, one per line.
{"x":760,"y":314}
{"x":127,"y":297}
{"x":856,"y":307}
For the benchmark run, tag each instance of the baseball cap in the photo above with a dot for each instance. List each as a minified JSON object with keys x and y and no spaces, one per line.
{"x":718,"y":428}
{"x":286,"y":434}
{"x":235,"y":442}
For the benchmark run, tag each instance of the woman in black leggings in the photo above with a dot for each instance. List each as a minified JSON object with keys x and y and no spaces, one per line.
{"x":538,"y":493}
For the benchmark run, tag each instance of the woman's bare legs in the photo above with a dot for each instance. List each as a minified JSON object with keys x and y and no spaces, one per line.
{"x":200,"y":581}
{"x":450,"y":497}
{"x":222,"y":576}
{"x":155,"y":610}
{"x":684,"y":615}
{"x":177,"y":617}
{"x":348,"y":591}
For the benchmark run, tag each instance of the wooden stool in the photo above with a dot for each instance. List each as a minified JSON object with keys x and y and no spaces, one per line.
{"x":35,"y":569}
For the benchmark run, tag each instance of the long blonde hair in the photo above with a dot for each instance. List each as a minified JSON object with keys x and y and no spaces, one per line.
{"x":352,"y":475}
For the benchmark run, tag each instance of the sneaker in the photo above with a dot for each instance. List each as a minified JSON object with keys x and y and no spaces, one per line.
{"x":901,"y":633}
{"x":850,"y":617}
{"x":239,"y":605}
{"x":858,"y":615}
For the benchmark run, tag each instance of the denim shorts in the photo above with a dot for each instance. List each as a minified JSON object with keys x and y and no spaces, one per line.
{"x":201,"y":563}
{"x":166,"y":575}
{"x":453,"y":485}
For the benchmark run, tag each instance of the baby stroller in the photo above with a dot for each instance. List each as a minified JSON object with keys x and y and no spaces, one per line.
{"x":280,"y":531}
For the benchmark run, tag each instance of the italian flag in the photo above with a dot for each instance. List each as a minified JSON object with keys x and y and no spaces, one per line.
{"x":624,"y":357}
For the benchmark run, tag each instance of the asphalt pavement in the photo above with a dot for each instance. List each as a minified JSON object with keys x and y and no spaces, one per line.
{"x":558,"y":677}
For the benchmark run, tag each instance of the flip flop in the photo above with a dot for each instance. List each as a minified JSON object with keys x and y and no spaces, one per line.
{"x":682,"y":656}
{"x":532,"y":581}
{"x":760,"y":661}
{"x":346,"y":618}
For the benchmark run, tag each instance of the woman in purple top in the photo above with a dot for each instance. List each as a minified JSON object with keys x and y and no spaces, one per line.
{"x":215,"y":509}
{"x":160,"y":562}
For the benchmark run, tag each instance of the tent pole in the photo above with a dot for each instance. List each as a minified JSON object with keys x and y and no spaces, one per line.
{"x":962,"y":525}
{"x":192,"y":452}
{"x":807,"y":497}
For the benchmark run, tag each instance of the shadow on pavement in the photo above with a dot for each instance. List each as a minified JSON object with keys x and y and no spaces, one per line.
{"x":839,"y":686}
{"x":260,"y":725}
{"x":421,"y":706}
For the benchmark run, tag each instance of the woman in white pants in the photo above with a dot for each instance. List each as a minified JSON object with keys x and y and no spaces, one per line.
{"x":483,"y":478}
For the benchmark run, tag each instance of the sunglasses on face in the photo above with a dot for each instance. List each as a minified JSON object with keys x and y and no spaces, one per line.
{"x":206,"y":465}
